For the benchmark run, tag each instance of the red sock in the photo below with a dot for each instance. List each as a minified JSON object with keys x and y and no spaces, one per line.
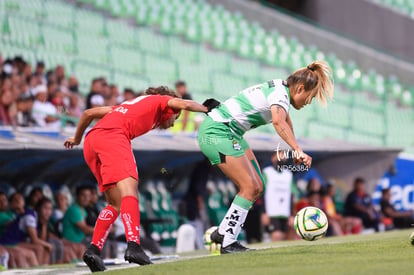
{"x":103,"y":225}
{"x":130,"y":218}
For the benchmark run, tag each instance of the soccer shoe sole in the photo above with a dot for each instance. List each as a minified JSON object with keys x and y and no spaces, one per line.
{"x":94,"y":262}
{"x":137,"y":259}
{"x":235,"y":247}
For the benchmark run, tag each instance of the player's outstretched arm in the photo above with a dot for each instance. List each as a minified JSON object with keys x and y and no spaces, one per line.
{"x":284,"y":129}
{"x":189,"y":105}
{"x":86,"y":119}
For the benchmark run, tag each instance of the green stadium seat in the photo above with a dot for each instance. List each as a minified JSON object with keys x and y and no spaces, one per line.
{"x":318,"y":130}
{"x":222,"y":54}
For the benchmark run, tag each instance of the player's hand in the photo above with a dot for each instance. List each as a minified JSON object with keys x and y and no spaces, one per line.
{"x":211,"y":103}
{"x":302,"y":157}
{"x":70,"y":142}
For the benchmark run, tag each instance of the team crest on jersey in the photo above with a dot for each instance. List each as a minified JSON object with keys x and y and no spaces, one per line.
{"x":236,"y":146}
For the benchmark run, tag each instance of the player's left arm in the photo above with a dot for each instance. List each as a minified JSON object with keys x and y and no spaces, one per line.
{"x":86,"y":119}
{"x":289,"y":122}
{"x":189,"y":105}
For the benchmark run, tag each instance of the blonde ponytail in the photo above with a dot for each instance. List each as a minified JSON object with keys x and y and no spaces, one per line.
{"x":317,"y":79}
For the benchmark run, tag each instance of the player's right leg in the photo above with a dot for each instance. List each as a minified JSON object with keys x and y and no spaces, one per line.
{"x":130,"y":216}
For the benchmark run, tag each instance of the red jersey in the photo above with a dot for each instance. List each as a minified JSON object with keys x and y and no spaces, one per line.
{"x":138,"y":116}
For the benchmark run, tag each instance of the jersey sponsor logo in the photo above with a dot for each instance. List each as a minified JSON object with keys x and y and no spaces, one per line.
{"x":106,"y":215}
{"x":271,"y":84}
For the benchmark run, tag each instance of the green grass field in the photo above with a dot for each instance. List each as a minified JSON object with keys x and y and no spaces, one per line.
{"x":385,"y":253}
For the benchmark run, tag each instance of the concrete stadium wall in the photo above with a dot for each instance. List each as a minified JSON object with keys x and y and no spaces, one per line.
{"x":364,"y":20}
{"x":347,"y":49}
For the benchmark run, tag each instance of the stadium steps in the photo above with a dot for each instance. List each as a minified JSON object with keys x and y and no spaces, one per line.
{"x":89,"y":44}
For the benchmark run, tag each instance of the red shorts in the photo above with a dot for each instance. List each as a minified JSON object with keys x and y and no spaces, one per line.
{"x":108,"y":154}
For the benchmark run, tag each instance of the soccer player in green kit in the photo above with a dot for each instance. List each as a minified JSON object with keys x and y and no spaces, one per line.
{"x":221,"y":139}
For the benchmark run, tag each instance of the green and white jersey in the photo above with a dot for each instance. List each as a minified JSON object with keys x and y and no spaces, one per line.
{"x":251,"y":107}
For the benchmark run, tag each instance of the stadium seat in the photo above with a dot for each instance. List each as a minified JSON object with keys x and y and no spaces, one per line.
{"x":216,"y":51}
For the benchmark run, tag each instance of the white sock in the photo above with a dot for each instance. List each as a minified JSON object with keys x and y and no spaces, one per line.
{"x":232,"y":224}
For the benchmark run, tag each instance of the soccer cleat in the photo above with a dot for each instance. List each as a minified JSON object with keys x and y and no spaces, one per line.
{"x":135,"y":254}
{"x":234,"y":248}
{"x":216,"y":237}
{"x":92,"y":258}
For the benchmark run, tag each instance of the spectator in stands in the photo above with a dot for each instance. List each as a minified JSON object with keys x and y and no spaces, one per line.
{"x":278,"y":199}
{"x":44,"y":112}
{"x":340,"y":224}
{"x":182,"y":123}
{"x":44,"y":212}
{"x":6,"y":215}
{"x":19,"y":64}
{"x":314,"y":185}
{"x":58,"y":100}
{"x":74,"y":109}
{"x":74,"y":222}
{"x":92,"y":209}
{"x":358,"y":204}
{"x":52,"y":87}
{"x":194,"y":200}
{"x":114,"y":96}
{"x":129,"y":94}
{"x":312,"y":188}
{"x":73,"y":84}
{"x":26,"y":74}
{"x":312,"y":198}
{"x":60,"y":73}
{"x":96,"y":97}
{"x":40,"y":72}
{"x":61,"y":205}
{"x":108,"y":153}
{"x":6,"y":103}
{"x":24,"y":106}
{"x":35,"y":195}
{"x":400,"y":219}
{"x":32,"y":82}
{"x":23,"y":228}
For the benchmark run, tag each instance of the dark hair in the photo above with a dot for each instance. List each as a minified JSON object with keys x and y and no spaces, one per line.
{"x":3,"y":193}
{"x":81,"y":188}
{"x":14,"y":195}
{"x":311,"y":193}
{"x":29,"y":200}
{"x":129,"y":90}
{"x":385,"y":190}
{"x":161,"y":90}
{"x":359,"y":180}
{"x":180,"y":83}
{"x":41,"y":202}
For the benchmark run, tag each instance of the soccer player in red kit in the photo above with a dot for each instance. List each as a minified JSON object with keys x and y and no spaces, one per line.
{"x":108,"y":153}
